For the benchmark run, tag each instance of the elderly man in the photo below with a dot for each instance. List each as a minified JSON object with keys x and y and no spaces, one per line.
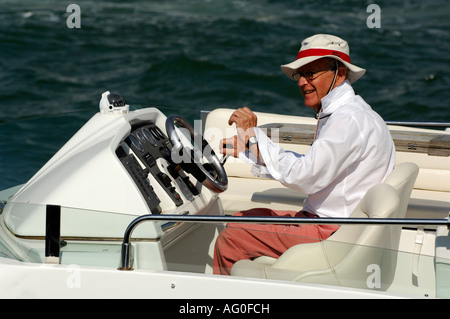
{"x":352,"y":151}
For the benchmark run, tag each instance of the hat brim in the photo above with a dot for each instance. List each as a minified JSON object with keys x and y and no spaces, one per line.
{"x":354,"y":72}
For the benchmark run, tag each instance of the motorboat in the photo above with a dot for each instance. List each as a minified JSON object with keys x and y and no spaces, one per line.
{"x":131,"y":206}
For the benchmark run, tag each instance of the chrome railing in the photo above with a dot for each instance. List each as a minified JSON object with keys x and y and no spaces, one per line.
{"x":419,"y":124}
{"x":126,"y":263}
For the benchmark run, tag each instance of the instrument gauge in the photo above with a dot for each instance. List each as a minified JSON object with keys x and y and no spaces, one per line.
{"x":140,"y":137}
{"x":154,"y":133}
{"x":149,"y":137}
{"x":160,"y":133}
{"x":136,"y":143}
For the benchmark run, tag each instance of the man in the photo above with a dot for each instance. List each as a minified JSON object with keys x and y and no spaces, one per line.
{"x":353,"y":150}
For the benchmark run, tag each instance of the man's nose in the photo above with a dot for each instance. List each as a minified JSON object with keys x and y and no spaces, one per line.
{"x":302,"y":81}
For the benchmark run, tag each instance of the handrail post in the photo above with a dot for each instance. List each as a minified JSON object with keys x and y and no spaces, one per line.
{"x":125,"y":257}
{"x":127,"y":247}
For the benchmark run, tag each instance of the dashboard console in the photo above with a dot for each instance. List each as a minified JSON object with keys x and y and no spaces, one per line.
{"x":117,"y":167}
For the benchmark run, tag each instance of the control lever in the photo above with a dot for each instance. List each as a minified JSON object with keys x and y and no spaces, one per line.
{"x":225,"y":157}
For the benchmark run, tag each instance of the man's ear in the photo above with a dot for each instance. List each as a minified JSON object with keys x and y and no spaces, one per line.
{"x":342,"y":75}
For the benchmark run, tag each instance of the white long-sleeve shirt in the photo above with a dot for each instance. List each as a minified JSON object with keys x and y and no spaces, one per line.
{"x":352,"y":152}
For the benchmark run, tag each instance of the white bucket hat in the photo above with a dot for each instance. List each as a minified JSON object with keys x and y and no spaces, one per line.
{"x":322,"y":46}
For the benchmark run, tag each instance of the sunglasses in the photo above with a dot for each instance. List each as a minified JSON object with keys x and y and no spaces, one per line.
{"x":309,"y":75}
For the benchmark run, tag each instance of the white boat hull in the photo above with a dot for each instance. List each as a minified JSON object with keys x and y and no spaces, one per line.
{"x":98,"y":199}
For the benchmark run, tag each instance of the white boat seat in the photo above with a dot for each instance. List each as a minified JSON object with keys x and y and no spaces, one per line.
{"x":354,"y":252}
{"x":429,"y":199}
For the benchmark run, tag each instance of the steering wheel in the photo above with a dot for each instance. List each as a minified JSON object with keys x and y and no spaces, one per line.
{"x":210,"y":172}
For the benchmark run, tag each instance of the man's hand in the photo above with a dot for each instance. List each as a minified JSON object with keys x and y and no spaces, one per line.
{"x":243,"y":118}
{"x":245,"y":121}
{"x":231,"y":146}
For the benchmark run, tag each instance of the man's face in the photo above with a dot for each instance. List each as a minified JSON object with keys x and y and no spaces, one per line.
{"x":317,"y":80}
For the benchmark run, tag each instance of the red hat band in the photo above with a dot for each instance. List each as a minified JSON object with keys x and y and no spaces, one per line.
{"x":323,"y":52}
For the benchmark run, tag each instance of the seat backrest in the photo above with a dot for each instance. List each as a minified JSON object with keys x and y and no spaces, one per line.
{"x":402,"y":179}
{"x":355,"y":249}
{"x":381,"y":201}
{"x":373,"y":249}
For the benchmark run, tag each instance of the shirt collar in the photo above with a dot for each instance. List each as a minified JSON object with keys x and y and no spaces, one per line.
{"x":336,"y":97}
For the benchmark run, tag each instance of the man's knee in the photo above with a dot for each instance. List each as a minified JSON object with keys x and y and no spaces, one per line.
{"x":231,"y":238}
{"x":224,"y":237}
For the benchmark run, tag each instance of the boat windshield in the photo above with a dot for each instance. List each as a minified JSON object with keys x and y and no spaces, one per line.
{"x":87,"y":238}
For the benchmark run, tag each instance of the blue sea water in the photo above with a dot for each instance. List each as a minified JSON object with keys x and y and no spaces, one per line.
{"x":187,"y":55}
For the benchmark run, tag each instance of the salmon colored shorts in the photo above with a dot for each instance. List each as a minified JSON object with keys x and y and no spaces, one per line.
{"x":249,"y":241}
